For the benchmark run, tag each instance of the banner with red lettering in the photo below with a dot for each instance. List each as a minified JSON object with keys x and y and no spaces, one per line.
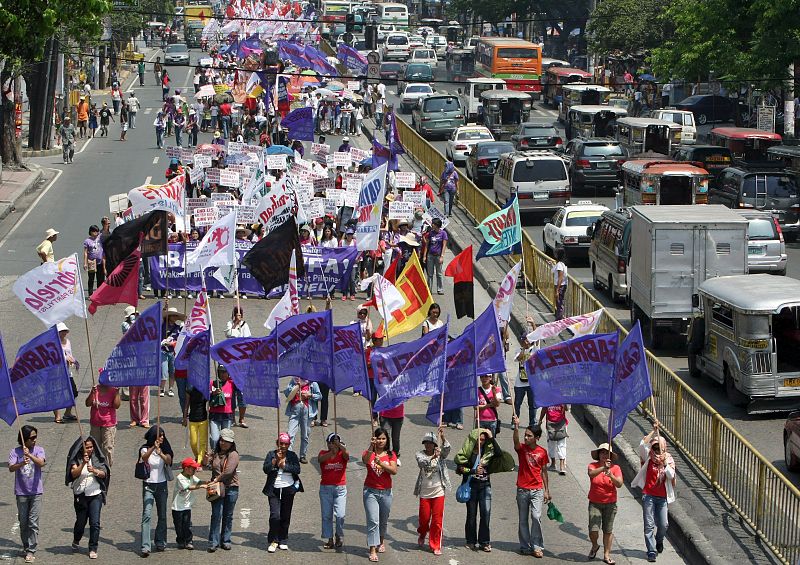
{"x":199,"y":320}
{"x":275,"y":207}
{"x":52,"y":291}
{"x":169,"y":197}
{"x":305,"y":347}
{"x":136,"y":359}
{"x":369,"y":209}
{"x":216,"y":248}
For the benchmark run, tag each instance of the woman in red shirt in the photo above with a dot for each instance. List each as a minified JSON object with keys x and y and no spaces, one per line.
{"x":333,"y":489}
{"x":381,"y":464}
{"x":605,"y":478}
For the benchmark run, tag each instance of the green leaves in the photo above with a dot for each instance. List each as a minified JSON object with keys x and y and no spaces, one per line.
{"x":627,"y":26}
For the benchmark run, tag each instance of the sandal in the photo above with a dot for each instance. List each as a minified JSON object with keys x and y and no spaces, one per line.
{"x":324,"y":424}
{"x":381,"y":548}
{"x":373,"y":557}
{"x":537,"y":553}
{"x":593,"y":552}
{"x":609,"y":561}
{"x":487,"y":548}
{"x":58,"y":421}
{"x":459,"y":426}
{"x":243,"y":425}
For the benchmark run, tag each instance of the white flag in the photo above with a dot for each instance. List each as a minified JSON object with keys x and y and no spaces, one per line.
{"x":53,"y":291}
{"x":387,"y":297}
{"x":579,"y":325}
{"x":255,"y":186}
{"x":289,"y":304}
{"x":170,"y":197}
{"x":199,"y":320}
{"x":217,"y":247}
{"x":275,"y":207}
{"x":505,"y":295}
{"x":226,"y":275}
{"x":369,"y":209}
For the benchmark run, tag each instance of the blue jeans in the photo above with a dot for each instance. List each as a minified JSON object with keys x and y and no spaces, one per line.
{"x":159,"y":139}
{"x":226,"y":125}
{"x":28,"y":510}
{"x":222,"y":517}
{"x":299,"y":420}
{"x":178,"y":133}
{"x":180,"y":384}
{"x":480,"y":497}
{"x":377,"y":505}
{"x":87,"y":508}
{"x":167,"y":368}
{"x":154,"y":493}
{"x":448,"y":198}
{"x":529,"y":505}
{"x":520,"y":392}
{"x":333,"y":504}
{"x":656,"y":521}
{"x":452,"y":416}
{"x":217,"y":423}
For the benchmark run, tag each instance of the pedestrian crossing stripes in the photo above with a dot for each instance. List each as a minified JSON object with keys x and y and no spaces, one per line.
{"x":147,"y":110}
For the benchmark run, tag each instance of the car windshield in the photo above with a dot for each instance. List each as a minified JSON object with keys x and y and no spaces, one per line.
{"x":397,"y":40}
{"x":602,"y":150}
{"x":581,"y":218}
{"x":692,"y":100}
{"x":538,"y":131}
{"x":540,"y":170}
{"x":391,"y":67}
{"x":418,"y":88}
{"x":761,"y":228}
{"x":777,"y":186}
{"x":495,"y":149}
{"x":423,"y":54}
{"x":177,"y":48}
{"x":448,"y":104}
{"x":472,"y":135}
{"x":678,"y":118}
{"x":418,"y":70}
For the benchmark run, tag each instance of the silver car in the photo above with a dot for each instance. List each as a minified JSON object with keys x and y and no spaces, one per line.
{"x":176,"y":54}
{"x":766,"y":251}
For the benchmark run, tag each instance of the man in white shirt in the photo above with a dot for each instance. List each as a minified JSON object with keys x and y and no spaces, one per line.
{"x":133,"y":107}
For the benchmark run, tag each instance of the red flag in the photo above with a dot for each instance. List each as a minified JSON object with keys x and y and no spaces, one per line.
{"x":460,"y":268}
{"x":391,"y":276}
{"x":121,"y":286}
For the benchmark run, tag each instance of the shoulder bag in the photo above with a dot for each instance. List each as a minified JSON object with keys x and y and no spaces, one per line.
{"x":217,"y":490}
{"x":464,"y":491}
{"x":142,"y":469}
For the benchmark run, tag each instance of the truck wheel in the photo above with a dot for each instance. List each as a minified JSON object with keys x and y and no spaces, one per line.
{"x":596,"y":284}
{"x":734,"y":396}
{"x":693,"y":370}
{"x":615,"y":297}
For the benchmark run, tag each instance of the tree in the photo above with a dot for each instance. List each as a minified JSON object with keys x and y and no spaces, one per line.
{"x":627,"y":26}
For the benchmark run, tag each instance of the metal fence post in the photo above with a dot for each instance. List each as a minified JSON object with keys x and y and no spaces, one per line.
{"x":715,"y":449}
{"x":677,"y":427}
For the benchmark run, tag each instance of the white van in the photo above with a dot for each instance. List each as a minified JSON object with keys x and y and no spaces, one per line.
{"x":683,"y":118}
{"x":471,"y":94}
{"x":396,"y":47}
{"x":396,"y":14}
{"x":538,"y":178}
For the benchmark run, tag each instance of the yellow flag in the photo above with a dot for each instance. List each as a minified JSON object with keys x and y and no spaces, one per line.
{"x":412,"y":285}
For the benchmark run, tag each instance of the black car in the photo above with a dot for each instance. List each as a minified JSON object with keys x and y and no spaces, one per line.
{"x":390,"y":72}
{"x":531,"y":135}
{"x":709,"y":108}
{"x":482,"y":160}
{"x":594,"y":162}
{"x":711,"y":157}
{"x":414,"y":72}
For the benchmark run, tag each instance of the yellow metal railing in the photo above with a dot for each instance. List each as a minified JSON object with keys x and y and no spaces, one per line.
{"x":764,"y":498}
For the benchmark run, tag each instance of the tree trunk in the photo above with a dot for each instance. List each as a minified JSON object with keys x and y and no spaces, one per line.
{"x":9,"y":146}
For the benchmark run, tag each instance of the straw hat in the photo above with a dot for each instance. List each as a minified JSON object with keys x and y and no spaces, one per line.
{"x":50,"y":233}
{"x":173,"y":313}
{"x":596,"y":452}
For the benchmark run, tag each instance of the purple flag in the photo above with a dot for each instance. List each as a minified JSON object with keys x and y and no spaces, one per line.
{"x":300,"y":124}
{"x":352,"y":59}
{"x":194,"y":357}
{"x":6,"y":394}
{"x":235,"y":354}
{"x":491,"y":356}
{"x":631,"y":381}
{"x":349,"y":364}
{"x":461,"y":376}
{"x":577,"y":371}
{"x":260,"y":385}
{"x":39,"y":378}
{"x":406,"y":370}
{"x":381,"y":155}
{"x":305,"y":347}
{"x":393,"y":137}
{"x":136,"y":359}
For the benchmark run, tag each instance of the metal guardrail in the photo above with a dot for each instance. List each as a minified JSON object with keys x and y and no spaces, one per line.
{"x":763,"y":497}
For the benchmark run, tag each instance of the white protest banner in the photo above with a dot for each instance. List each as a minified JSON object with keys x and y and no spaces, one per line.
{"x":329,"y":161}
{"x":303,"y":197}
{"x":324,"y":184}
{"x":173,"y":152}
{"x":353,"y":85}
{"x":358,"y":155}
{"x":212,"y":174}
{"x":216,"y":248}
{"x":117,"y":203}
{"x":302,"y":164}
{"x":235,"y":147}
{"x":196,"y":174}
{"x":275,"y":207}
{"x":342,"y":159}
{"x":315,"y":208}
{"x":202,"y":161}
{"x":404,"y":180}
{"x":228,"y":178}
{"x":435,"y":213}
{"x":579,"y":325}
{"x":399,"y":210}
{"x":276,"y":162}
{"x":352,"y":185}
{"x":337,"y":194}
{"x":351,"y":199}
{"x":205,"y":216}
{"x":417,"y":197}
{"x":222,"y":197}
{"x":331,"y":206}
{"x":245,"y":215}
{"x":225,"y":208}
{"x":368,"y":211}
{"x":168,"y":197}
{"x":320,"y":148}
{"x":187,"y":155}
{"x":193,"y":204}
{"x":53,"y":291}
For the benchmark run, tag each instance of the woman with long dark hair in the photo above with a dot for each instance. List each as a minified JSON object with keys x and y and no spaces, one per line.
{"x":381,"y":463}
{"x":157,"y":454}
{"x":89,"y":475}
{"x":26,"y":462}
{"x":224,"y":479}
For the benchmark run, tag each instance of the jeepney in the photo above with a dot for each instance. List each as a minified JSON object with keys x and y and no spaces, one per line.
{"x":653,"y":181}
{"x":747,"y":338}
{"x":787,"y":155}
{"x":643,"y":135}
{"x":554,"y":79}
{"x":503,"y":110}
{"x":587,"y":121}
{"x":746,"y":144}
{"x":577,"y":93}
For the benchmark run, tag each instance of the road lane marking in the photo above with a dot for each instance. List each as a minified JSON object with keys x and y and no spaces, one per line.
{"x":244,"y":523}
{"x":147,"y":180}
{"x":58,"y":172}
{"x":135,"y":76}
{"x":147,"y":111}
{"x":155,"y":159}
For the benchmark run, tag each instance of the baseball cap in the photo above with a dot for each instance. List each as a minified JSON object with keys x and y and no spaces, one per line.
{"x":227,"y":435}
{"x":189,"y":462}
{"x":429,"y":437}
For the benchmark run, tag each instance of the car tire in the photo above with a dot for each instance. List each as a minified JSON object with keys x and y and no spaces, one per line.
{"x":694,"y":372}
{"x":792,"y":463}
{"x":596,"y":284}
{"x":734,"y":396}
{"x":702,"y":119}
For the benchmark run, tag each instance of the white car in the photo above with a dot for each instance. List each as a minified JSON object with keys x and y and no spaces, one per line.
{"x":460,"y":143}
{"x":438,"y":43}
{"x":415,"y":41}
{"x":412,"y":93}
{"x":396,"y":47}
{"x":567,"y":228}
{"x":384,"y":30}
{"x":426,"y":55}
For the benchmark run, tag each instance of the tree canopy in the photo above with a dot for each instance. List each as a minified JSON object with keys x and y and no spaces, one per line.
{"x":627,"y":26}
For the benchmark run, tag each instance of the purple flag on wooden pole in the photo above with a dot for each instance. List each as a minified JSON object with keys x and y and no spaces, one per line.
{"x":136,"y":359}
{"x":349,"y":363}
{"x":195,"y":358}
{"x":631,"y":380}
{"x":305,"y":347}
{"x":460,"y":378}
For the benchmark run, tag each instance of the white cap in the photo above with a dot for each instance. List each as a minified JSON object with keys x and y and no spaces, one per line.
{"x":62,"y":327}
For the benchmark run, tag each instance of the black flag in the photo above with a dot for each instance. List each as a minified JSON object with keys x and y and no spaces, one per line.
{"x":150,"y":229}
{"x":268,"y":260}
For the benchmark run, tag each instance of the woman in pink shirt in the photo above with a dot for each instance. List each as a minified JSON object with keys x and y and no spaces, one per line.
{"x":489,"y":399}
{"x":103,"y":402}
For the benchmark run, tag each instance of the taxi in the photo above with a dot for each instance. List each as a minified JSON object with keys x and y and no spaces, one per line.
{"x":567,"y":228}
{"x":460,"y":143}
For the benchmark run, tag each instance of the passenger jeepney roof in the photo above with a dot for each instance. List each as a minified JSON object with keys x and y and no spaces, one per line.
{"x":746,"y":133}
{"x":568,"y":71}
{"x":630,"y":121}
{"x":578,"y":86}
{"x":662,"y":167}
{"x":784,"y":150}
{"x":754,"y":293}
{"x":485,"y":80}
{"x":589,"y":108}
{"x":500,"y":93}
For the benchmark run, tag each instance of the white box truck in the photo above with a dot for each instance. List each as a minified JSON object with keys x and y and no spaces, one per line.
{"x":673,"y":250}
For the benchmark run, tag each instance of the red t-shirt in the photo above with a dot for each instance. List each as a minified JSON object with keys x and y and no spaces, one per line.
{"x":531,"y":463}
{"x":333,"y":470}
{"x":377,"y":477}
{"x":651,"y":484}
{"x":601,"y":489}
{"x":396,"y":412}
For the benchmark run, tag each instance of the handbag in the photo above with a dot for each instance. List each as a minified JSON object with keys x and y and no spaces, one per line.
{"x":216,"y":490}
{"x":464,"y":491}
{"x":217,"y":398}
{"x":142,"y":469}
{"x":496,"y":413}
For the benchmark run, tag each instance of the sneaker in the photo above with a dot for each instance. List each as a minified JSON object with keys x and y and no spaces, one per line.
{"x":273,"y":547}
{"x":302,"y":460}
{"x":75,"y":547}
{"x":344,"y":298}
{"x":92,"y":555}
{"x":30,"y":558}
{"x":170,"y":393}
{"x":437,"y":551}
{"x":189,"y":546}
{"x":244,"y":297}
{"x":399,"y":464}
{"x":660,"y":546}
{"x":651,"y":557}
{"x":283,"y":546}
{"x":161,"y":393}
{"x":211,"y":549}
{"x":226,"y":546}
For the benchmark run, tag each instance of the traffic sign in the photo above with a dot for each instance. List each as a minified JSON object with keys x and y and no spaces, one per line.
{"x":765,"y":118}
{"x":373,"y":70}
{"x":373,"y":57}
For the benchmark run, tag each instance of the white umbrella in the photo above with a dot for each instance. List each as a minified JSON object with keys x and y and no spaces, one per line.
{"x":206,"y":91}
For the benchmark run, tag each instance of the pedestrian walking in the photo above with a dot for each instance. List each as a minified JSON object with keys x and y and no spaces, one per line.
{"x":72,"y":364}
{"x":282,"y":468}
{"x":93,"y":260}
{"x":88,"y":475}
{"x":133,"y":107}
{"x":140,"y":70}
{"x":656,"y":478}
{"x":67,"y":133}
{"x":220,"y":411}
{"x":559,"y":271}
{"x":106,"y":117}
{"x":160,"y":124}
{"x":333,"y":490}
{"x":556,"y":426}
{"x":195,"y":417}
{"x":26,"y":462}
{"x":522,"y":389}
{"x":237,"y":327}
{"x":93,"y":119}
{"x":179,"y":122}
{"x":172,"y":326}
{"x":123,"y":122}
{"x":158,"y":70}
{"x":164,"y":85}
{"x":533,"y":488}
{"x":301,"y":407}
{"x":224,"y":489}
{"x":82,"y":112}
{"x":381,"y":464}
{"x":435,"y":244}
{"x":155,"y":456}
{"x":116,"y":97}
{"x":183,"y":500}
{"x":432,"y":483}
{"x":448,"y":185}
{"x":605,"y":478}
{"x":103,"y":402}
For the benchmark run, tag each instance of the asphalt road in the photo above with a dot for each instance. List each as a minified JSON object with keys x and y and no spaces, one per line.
{"x":762,"y":431}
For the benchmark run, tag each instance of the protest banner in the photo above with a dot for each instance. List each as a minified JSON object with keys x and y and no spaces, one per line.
{"x":53,"y":291}
{"x":136,"y":359}
{"x":315,"y":208}
{"x":305,"y":347}
{"x":331,"y":206}
{"x":202,"y":161}
{"x":631,"y":380}
{"x":434,"y":212}
{"x":401,"y":210}
{"x":205,"y":216}
{"x":349,"y":364}
{"x":460,"y":376}
{"x":404,"y":180}
{"x":193,"y":204}
{"x":277,"y":162}
{"x":320,"y":149}
{"x":351,"y":199}
{"x":358,"y":155}
{"x":117,"y":203}
{"x":229,"y":178}
{"x":168,"y":197}
{"x":342,"y":159}
{"x":326,"y":268}
{"x":187,"y":155}
{"x":578,"y":325}
{"x":324,"y":184}
{"x":416,"y":197}
{"x":212,"y":174}
{"x":368,"y":211}
{"x":222,"y":197}
{"x":351,"y":185}
{"x":173,"y":152}
{"x":245,"y":214}
{"x":336,"y":194}
{"x":353,"y":85}
{"x":235,"y":147}
{"x":196,"y":174}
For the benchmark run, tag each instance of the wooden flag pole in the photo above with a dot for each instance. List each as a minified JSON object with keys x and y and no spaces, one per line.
{"x":335,"y":422}
{"x":79,"y":288}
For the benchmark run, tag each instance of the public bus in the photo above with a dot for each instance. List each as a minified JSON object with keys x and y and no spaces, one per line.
{"x":335,"y":10}
{"x":516,"y":61}
{"x":394,"y":13}
{"x":554,"y":79}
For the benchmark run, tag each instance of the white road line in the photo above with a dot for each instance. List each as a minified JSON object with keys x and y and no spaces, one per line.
{"x":245,"y":518}
{"x":85,"y":145}
{"x":135,"y":76}
{"x":147,"y":180}
{"x":32,"y":206}
{"x":147,"y":111}
{"x":155,"y":159}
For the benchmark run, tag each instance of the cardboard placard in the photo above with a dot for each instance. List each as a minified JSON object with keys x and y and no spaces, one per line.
{"x":228,"y":178}
{"x":173,"y":152}
{"x":205,"y":216}
{"x":336,"y":194}
{"x":222,"y":197}
{"x":358,"y":155}
{"x":351,"y":199}
{"x":342,"y":159}
{"x":118,"y":203}
{"x":315,"y":208}
{"x":404,"y":180}
{"x":193,"y":204}
{"x":276,"y":162}
{"x":324,"y":184}
{"x":399,"y":210}
{"x":416,"y":197}
{"x":196,"y":174}
{"x":226,"y":208}
{"x":352,"y":185}
{"x":320,"y":149}
{"x":202,"y":161}
{"x":331,"y":206}
{"x":435,"y":213}
{"x":353,"y":85}
{"x":235,"y":147}
{"x":302,"y":164}
{"x":245,"y":215}
{"x":187,"y":155}
{"x":212,"y":174}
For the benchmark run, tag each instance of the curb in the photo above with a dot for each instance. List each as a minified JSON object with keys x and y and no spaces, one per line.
{"x":37,"y":173}
{"x":684,"y":533}
{"x":28,"y":153}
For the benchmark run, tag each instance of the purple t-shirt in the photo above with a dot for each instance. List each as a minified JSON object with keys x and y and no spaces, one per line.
{"x":28,"y":478}
{"x":94,"y":248}
{"x":436,"y":242}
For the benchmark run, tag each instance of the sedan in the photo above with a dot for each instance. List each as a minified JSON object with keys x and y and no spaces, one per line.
{"x":415,"y":41}
{"x":482,"y":161}
{"x":390,"y":72}
{"x":176,"y":54}
{"x":414,"y":72}
{"x":412,"y":93}
{"x":709,"y":108}
{"x":531,"y":135}
{"x":567,"y":228}
{"x":766,"y":251}
{"x":791,"y":441}
{"x":462,"y":139}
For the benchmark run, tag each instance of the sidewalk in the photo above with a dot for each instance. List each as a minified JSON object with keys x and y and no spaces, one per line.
{"x":14,"y":184}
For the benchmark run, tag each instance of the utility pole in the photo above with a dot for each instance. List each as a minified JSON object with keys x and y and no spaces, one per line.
{"x":788,"y":107}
